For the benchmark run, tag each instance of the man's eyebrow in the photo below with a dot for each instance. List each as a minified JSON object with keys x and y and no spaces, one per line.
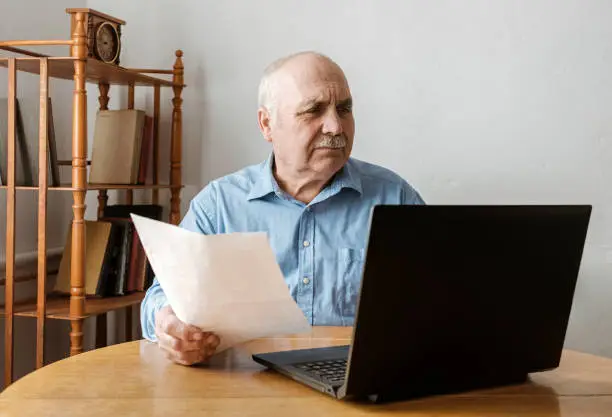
{"x":346,"y":102}
{"x":309,"y":102}
{"x":313,"y":101}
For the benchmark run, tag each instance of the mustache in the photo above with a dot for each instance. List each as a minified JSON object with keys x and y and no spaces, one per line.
{"x":330,"y":141}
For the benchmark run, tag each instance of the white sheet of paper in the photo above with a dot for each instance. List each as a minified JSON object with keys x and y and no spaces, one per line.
{"x":229,"y":283}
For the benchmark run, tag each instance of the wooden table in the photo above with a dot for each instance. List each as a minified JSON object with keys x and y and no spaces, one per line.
{"x":135,"y":379}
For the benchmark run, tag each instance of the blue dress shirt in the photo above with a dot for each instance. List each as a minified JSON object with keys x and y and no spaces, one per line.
{"x":319,"y":246}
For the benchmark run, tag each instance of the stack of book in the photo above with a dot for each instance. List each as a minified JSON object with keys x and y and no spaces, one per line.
{"x":115,"y":263}
{"x":122,"y":147}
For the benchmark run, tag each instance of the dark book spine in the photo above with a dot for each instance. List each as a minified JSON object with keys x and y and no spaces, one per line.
{"x":106,"y":284}
{"x":124,"y":259}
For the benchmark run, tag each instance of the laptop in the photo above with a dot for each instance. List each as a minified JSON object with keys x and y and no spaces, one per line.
{"x":452,"y":298}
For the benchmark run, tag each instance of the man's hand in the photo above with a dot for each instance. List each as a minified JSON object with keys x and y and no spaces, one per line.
{"x":183,"y":343}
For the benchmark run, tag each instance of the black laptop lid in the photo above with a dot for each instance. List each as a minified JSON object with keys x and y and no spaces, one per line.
{"x":464,"y":292}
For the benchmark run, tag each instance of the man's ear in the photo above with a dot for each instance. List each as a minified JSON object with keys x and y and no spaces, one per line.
{"x":265,"y":122}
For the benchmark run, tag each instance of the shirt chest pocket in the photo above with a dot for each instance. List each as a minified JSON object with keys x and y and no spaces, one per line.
{"x":350,"y":266}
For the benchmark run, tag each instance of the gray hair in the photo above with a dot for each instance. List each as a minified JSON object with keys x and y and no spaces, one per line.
{"x":266,"y":94}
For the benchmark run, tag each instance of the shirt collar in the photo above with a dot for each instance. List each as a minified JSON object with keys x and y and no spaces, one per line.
{"x":266,"y":184}
{"x":347,"y":177}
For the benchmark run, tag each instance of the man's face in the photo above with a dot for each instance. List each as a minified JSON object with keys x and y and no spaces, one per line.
{"x":312,"y":127}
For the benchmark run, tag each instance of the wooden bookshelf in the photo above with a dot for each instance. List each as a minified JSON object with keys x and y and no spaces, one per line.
{"x":82,"y":70}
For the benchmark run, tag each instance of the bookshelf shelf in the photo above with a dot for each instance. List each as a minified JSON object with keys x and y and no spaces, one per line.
{"x":97,"y":71}
{"x":99,"y":187}
{"x":82,"y":69}
{"x":58,"y":306}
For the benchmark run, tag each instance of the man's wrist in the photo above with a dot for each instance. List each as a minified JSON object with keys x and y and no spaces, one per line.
{"x":155,"y":303}
{"x":160,"y":303}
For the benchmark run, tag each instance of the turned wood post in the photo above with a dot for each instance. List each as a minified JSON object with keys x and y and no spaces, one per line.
{"x":79,"y":185}
{"x":103,"y":100}
{"x":129,"y":194}
{"x":176,"y":140}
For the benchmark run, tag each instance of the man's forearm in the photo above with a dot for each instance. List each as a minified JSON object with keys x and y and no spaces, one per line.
{"x":154,"y":300}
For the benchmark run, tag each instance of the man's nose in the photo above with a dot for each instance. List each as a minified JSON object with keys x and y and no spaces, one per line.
{"x":332,"y":125}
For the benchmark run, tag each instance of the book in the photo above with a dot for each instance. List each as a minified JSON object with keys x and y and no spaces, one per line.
{"x":146,"y":153}
{"x":123,"y":243}
{"x":99,"y":254}
{"x":116,"y":148}
{"x":140,"y":276}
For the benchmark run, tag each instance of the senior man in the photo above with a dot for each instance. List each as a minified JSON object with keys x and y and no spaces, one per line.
{"x":310,"y":196}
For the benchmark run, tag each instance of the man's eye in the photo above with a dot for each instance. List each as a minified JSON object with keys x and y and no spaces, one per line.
{"x":345,"y":109}
{"x":313,"y":110}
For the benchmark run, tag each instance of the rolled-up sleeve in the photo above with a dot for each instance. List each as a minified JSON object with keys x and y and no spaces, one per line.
{"x":199,"y":218}
{"x":154,"y":300}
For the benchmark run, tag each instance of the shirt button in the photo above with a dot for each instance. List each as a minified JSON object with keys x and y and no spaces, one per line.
{"x":306,"y":243}
{"x":306,"y":281}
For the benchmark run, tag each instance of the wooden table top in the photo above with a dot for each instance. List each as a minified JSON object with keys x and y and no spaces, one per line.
{"x":135,"y":379}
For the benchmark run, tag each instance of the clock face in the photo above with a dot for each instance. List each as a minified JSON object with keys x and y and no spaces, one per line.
{"x":107,"y":42}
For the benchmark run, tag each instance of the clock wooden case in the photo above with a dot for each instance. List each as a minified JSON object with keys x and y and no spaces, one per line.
{"x":103,"y":34}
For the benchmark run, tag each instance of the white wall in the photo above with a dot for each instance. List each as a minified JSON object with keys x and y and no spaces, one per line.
{"x":473,"y":101}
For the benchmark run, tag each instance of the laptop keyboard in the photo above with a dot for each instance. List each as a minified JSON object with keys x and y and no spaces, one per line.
{"x":330,"y":370}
